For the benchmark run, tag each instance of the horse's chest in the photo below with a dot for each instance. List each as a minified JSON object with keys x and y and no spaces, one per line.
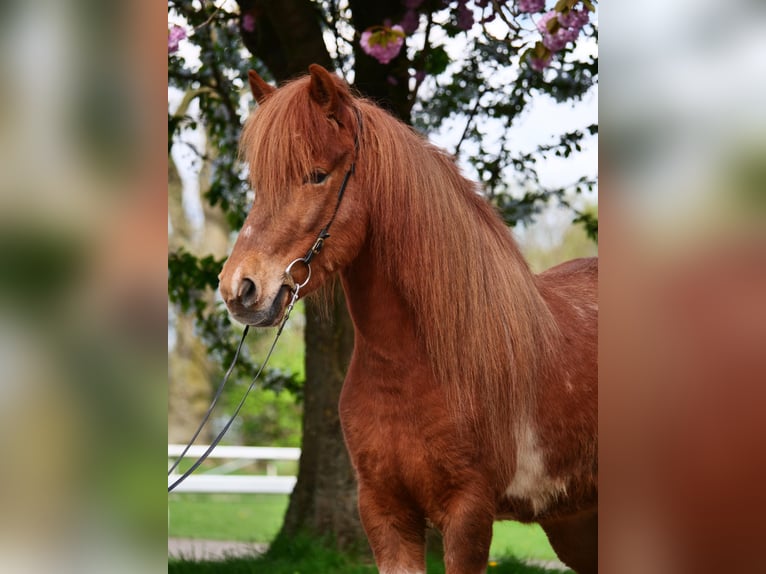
{"x":392,"y":437}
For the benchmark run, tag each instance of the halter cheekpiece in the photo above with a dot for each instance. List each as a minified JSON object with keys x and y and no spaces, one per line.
{"x":324,"y":233}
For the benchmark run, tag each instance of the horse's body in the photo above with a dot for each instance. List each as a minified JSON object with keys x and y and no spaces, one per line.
{"x":472,"y":391}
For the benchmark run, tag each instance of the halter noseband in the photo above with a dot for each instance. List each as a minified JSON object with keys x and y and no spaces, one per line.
{"x":324,"y":233}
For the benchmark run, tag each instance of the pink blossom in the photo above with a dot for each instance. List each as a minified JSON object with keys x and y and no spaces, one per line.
{"x":248,"y":23}
{"x":542,"y":23}
{"x":554,"y":42}
{"x":539,"y":64}
{"x":530,"y":6}
{"x":382,"y":43}
{"x":566,"y":30}
{"x":560,"y":38}
{"x":574,"y":19}
{"x":175,"y":35}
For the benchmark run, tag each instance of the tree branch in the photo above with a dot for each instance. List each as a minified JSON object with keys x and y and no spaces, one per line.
{"x":287,"y":36}
{"x":471,"y":115}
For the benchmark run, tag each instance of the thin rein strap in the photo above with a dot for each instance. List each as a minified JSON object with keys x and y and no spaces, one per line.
{"x":218,"y":438}
{"x":213,"y":403}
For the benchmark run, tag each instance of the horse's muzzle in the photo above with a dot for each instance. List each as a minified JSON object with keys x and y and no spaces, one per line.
{"x":268,"y":317}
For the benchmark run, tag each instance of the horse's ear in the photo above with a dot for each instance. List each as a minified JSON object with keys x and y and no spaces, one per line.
{"x":323,"y":88}
{"x":261,"y":90}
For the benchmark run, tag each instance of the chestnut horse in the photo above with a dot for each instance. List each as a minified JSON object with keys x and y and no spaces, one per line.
{"x":472,"y":391}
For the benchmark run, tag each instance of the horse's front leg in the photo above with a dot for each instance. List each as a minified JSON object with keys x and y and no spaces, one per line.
{"x":467,"y":532}
{"x":575,"y":540}
{"x":396,"y":531}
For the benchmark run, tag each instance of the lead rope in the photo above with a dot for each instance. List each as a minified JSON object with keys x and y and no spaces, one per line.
{"x":218,"y":438}
{"x":213,"y":403}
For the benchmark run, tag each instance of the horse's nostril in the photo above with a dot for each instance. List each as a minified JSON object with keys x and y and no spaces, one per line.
{"x":246,"y":292}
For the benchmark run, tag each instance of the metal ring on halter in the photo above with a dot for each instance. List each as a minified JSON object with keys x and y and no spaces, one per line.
{"x":298,"y":286}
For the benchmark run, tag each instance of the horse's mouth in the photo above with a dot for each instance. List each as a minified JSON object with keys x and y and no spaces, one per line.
{"x":269,"y":317}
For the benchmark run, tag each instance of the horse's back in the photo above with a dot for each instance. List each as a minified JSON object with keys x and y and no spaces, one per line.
{"x":582,"y":269}
{"x":574,"y":281}
{"x":569,"y":398}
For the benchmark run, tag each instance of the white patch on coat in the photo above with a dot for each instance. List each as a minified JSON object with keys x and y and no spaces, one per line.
{"x":531,"y":481}
{"x":247,"y":231}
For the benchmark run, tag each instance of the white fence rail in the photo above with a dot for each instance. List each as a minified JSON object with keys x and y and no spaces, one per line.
{"x":216,"y":480}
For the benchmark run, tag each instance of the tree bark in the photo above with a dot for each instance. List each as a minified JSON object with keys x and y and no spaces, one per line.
{"x":287,"y":36}
{"x":325,"y":500}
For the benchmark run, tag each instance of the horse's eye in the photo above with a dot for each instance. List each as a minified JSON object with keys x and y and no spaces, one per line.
{"x":316,"y":177}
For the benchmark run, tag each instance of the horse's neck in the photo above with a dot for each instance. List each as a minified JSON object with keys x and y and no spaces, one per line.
{"x":383,"y":323}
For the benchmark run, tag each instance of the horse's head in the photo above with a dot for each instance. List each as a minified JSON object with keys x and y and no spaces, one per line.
{"x":299,"y":145}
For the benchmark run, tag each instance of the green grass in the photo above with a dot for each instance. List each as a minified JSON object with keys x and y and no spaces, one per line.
{"x":304,"y":556}
{"x":521,"y":541}
{"x":257,"y":518}
{"x":242,"y":517}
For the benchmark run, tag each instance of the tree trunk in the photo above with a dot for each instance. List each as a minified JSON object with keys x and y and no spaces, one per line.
{"x":324,"y":501}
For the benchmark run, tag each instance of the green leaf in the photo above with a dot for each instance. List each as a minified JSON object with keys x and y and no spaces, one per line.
{"x":436,"y":61}
{"x":189,"y":276}
{"x":590,"y":222}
